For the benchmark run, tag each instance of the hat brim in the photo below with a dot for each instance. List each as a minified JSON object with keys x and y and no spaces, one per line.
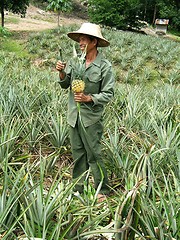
{"x":102,"y":42}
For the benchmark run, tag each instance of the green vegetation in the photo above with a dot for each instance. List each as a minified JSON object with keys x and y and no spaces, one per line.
{"x":14,"y":47}
{"x":4,"y":32}
{"x":59,"y":6}
{"x":12,"y":20}
{"x":121,"y":14}
{"x":126,"y":14}
{"x":140,"y":144}
{"x":13,"y":6}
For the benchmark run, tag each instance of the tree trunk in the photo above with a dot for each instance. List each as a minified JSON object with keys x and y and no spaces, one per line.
{"x":154,"y":15}
{"x":177,"y":4}
{"x":145,"y":10}
{"x":58,"y":18}
{"x":2,"y":13}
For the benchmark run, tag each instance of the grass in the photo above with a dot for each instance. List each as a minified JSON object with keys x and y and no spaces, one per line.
{"x":11,"y":19}
{"x":14,"y":47}
{"x":174,"y":32}
{"x":174,"y":36}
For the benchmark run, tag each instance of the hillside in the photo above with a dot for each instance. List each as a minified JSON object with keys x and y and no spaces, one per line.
{"x":37,"y":19}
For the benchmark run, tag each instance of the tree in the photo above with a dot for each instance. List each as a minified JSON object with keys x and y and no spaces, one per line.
{"x":122,"y":14}
{"x":59,"y":6}
{"x":14,"y":6}
{"x":152,"y":9}
{"x":171,"y":10}
{"x":125,"y":14}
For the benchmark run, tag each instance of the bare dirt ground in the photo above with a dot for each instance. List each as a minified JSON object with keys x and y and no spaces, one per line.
{"x":37,"y":20}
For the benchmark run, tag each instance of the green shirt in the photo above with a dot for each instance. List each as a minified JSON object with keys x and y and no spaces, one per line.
{"x":99,"y":83}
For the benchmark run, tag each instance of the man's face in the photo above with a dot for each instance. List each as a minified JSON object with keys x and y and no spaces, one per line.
{"x":84,"y":41}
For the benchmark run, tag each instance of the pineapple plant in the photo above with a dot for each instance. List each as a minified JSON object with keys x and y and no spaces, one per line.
{"x":78,"y":67}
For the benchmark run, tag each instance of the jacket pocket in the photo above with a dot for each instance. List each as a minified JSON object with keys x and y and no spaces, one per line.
{"x":93,"y":83}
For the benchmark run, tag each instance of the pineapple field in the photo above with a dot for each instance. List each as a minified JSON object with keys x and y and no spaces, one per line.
{"x":140,"y":145}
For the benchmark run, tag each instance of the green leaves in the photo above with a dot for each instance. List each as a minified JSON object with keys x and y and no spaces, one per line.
{"x":59,"y":6}
{"x":130,"y":14}
{"x":119,"y":14}
{"x":55,"y":130}
{"x":78,"y":64}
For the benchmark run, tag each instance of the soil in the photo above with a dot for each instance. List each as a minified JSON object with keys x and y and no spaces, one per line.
{"x":37,"y":19}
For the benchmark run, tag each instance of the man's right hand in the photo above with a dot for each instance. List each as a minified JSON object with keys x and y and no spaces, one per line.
{"x":60,"y":66}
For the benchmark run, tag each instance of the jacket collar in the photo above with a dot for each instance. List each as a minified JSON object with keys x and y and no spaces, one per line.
{"x":97,"y":61}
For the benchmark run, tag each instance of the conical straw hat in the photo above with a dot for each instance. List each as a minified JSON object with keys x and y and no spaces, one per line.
{"x":92,"y":30}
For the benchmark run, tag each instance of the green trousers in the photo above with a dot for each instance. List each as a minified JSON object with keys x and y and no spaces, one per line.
{"x":86,"y":151}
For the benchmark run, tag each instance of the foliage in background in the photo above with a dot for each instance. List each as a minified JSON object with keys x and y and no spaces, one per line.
{"x":4,"y":32}
{"x":14,"y":6}
{"x":161,"y":9}
{"x":119,"y":14}
{"x":59,"y":6}
{"x":136,"y":58}
{"x":130,"y":13}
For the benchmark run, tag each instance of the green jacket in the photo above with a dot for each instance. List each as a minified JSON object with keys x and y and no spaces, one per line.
{"x":99,"y":83}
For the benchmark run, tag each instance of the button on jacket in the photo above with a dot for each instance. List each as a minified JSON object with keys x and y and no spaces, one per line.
{"x":99,"y":83}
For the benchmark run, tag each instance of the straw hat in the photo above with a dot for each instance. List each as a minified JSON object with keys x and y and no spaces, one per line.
{"x":92,"y":30}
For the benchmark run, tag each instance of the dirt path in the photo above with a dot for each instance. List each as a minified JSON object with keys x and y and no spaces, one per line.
{"x":37,"y":20}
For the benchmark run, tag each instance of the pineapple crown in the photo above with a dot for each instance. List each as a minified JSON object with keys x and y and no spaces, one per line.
{"x":77,"y":63}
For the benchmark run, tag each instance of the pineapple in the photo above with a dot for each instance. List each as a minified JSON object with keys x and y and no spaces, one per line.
{"x":78,"y":85}
{"x":78,"y":67}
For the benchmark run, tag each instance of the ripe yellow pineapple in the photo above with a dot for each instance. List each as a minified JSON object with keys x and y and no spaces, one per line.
{"x":78,"y":85}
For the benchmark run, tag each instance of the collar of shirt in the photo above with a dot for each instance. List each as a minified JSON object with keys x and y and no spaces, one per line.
{"x":97,"y":61}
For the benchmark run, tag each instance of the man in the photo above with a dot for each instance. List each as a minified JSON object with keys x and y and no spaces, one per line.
{"x":99,"y":85}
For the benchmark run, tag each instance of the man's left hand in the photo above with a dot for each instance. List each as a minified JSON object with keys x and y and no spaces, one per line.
{"x":81,"y":97}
